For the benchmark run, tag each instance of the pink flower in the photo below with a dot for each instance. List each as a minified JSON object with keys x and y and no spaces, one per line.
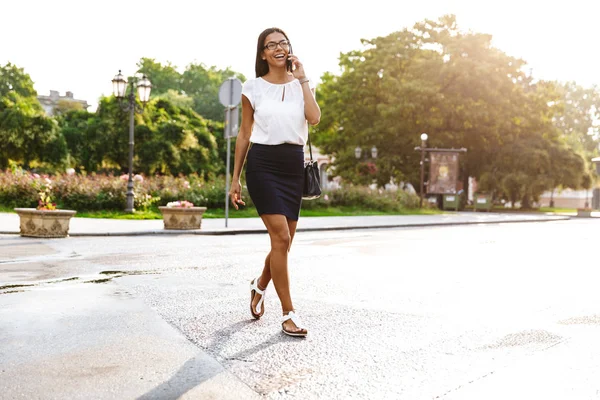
{"x":186,"y":184}
{"x":326,"y":198}
{"x":138,"y":178}
{"x":36,"y":176}
{"x":180,"y":204}
{"x":124,"y":177}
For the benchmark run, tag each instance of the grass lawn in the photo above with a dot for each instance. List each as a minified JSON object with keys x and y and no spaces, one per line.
{"x":246,"y":213}
{"x":320,"y":212}
{"x":558,"y":210}
{"x":250,"y":213}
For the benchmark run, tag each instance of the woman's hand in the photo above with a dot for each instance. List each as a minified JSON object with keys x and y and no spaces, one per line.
{"x":297,"y":67}
{"x":235,"y":194}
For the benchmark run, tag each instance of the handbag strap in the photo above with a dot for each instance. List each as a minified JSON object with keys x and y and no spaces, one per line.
{"x":310,"y":147}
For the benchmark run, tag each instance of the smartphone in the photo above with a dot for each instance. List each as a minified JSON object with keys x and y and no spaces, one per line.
{"x":288,"y":62}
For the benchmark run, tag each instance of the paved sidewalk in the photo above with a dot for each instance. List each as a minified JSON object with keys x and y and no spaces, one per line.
{"x":87,"y":341}
{"x":9,"y":223}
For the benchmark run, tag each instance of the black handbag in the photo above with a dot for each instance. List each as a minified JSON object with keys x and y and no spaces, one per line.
{"x":312,"y":178}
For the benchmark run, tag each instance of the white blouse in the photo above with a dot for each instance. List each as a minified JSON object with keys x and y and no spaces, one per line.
{"x":278,"y":112}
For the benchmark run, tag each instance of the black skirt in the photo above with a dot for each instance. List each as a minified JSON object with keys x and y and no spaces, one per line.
{"x":275,"y":176}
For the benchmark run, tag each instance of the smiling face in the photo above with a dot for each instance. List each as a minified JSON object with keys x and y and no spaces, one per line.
{"x":276,"y":57}
{"x":265,"y":57}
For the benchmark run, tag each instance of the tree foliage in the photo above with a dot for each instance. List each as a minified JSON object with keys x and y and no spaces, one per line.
{"x":463,"y":92}
{"x":167,"y":139}
{"x":163,"y":77}
{"x":198,"y":83}
{"x":26,"y":133}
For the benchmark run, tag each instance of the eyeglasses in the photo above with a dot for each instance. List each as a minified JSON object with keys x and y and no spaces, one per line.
{"x":285,"y":45}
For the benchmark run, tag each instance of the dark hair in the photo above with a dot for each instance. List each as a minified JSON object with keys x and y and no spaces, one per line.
{"x":262,"y":67}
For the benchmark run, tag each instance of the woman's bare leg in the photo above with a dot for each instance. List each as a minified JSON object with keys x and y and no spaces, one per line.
{"x":265,"y":277}
{"x":281,"y":231}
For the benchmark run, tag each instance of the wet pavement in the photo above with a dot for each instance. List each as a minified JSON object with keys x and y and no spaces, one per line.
{"x":456,"y":312}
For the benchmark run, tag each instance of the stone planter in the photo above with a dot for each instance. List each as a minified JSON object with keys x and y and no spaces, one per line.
{"x":44,"y":223}
{"x":182,"y":218}
{"x":584,"y":212}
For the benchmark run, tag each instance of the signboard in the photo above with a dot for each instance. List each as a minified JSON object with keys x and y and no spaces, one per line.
{"x":230,"y":92}
{"x":443,"y":173}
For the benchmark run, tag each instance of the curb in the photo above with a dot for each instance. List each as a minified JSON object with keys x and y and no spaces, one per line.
{"x":315,"y":229}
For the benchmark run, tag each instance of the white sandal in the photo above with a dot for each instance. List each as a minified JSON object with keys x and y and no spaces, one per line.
{"x":296,"y":320}
{"x":254,"y":290}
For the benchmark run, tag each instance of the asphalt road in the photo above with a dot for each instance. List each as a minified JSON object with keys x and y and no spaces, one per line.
{"x":473,"y":312}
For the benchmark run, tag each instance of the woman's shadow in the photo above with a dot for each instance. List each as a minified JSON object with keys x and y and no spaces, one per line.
{"x":203,"y":367}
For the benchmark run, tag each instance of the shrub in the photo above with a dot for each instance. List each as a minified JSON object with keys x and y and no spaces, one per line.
{"x":18,"y":190}
{"x":108,"y":192}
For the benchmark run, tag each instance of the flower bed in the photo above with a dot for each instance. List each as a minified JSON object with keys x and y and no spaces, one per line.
{"x":108,"y":193}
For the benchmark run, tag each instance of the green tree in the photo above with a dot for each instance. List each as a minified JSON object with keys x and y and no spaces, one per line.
{"x":14,"y":79}
{"x":113,"y":124}
{"x":64,"y":106}
{"x":162,"y":77}
{"x":176,"y":140}
{"x":26,"y":133}
{"x":202,"y":84}
{"x":177,"y":99}
{"x":198,"y":85}
{"x":577,"y":116}
{"x":453,"y":85}
{"x":168,"y":139}
{"x":84,"y":135}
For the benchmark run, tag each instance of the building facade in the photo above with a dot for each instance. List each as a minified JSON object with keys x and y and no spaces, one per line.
{"x":54,"y":100}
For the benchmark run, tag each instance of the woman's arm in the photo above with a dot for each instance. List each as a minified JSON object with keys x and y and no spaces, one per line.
{"x":242,"y":143}
{"x":312,"y":112}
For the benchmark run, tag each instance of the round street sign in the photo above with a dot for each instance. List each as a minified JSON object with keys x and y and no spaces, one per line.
{"x":230,"y":92}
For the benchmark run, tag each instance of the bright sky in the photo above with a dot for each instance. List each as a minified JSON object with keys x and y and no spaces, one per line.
{"x":78,"y":46}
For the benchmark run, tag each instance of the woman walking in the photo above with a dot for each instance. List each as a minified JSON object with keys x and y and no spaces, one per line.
{"x":276,"y":108}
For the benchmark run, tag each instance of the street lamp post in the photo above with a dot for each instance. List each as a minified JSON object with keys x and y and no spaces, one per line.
{"x":119,"y":88}
{"x":423,"y":146}
{"x":358,"y":152}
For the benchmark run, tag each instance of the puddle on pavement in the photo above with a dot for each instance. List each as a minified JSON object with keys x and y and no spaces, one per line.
{"x":15,"y":286}
{"x":23,"y":285}
{"x":108,"y":276}
{"x":136,"y":272}
{"x":118,"y":274}
{"x":104,"y":280}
